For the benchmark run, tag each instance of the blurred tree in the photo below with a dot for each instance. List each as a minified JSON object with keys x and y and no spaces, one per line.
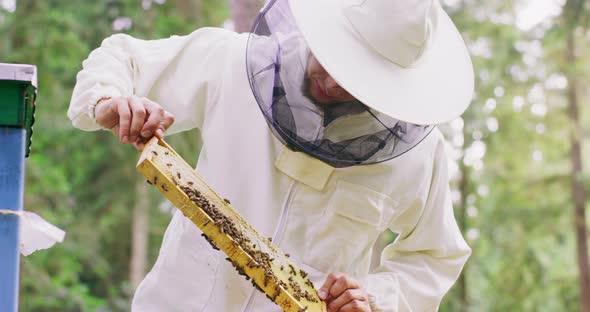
{"x":189,"y":9}
{"x":140,"y":234}
{"x":512,"y":180}
{"x":574,"y":10}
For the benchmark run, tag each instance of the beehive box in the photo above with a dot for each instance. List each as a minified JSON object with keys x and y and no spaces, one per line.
{"x":253,"y":256}
{"x":18,"y":92}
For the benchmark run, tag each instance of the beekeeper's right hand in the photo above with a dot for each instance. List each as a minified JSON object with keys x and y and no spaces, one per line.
{"x":133,"y":120}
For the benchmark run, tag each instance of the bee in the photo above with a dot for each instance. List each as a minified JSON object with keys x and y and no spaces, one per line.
{"x":155,"y":153}
{"x":164,"y":187}
{"x":303,"y":273}
{"x":148,"y":181}
{"x":277,"y":292}
{"x":227,"y":201}
{"x":178,"y":175}
{"x":169,"y":164}
{"x":190,"y":183}
{"x":166,"y":153}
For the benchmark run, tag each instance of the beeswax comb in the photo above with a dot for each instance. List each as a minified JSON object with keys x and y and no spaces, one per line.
{"x":252,"y":255}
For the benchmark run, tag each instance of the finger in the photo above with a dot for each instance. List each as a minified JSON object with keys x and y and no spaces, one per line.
{"x":124,"y":120}
{"x":346,"y":297}
{"x":165,"y":124}
{"x":343,"y":283}
{"x":168,"y":120}
{"x":325,"y":289}
{"x":356,"y":306}
{"x":156,"y":116}
{"x":137,"y":117}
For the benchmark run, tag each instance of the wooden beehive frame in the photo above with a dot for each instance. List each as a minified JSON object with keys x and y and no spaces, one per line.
{"x":252,"y":255}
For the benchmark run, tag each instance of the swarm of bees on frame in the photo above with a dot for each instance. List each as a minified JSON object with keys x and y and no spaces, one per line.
{"x":258,"y":258}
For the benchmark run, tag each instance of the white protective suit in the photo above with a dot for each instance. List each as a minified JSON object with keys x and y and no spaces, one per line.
{"x":327,"y":219}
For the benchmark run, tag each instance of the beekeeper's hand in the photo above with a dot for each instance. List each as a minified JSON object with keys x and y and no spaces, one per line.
{"x":343,"y":293}
{"x":133,"y":120}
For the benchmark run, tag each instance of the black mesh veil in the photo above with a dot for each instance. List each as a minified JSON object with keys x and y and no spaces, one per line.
{"x":340,"y":134}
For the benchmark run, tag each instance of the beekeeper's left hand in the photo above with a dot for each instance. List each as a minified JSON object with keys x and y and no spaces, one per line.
{"x":343,"y":293}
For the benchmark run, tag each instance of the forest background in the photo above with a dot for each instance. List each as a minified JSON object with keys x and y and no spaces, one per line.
{"x":519,"y":156}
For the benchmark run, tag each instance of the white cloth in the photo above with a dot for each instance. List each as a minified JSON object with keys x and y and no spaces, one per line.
{"x":327,"y":219}
{"x":34,"y":232}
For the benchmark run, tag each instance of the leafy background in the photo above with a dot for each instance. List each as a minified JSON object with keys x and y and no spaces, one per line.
{"x":517,"y":156}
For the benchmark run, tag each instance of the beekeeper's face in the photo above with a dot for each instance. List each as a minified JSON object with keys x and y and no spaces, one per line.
{"x":321,"y":87}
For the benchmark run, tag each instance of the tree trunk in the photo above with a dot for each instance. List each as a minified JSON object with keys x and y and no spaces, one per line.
{"x":189,"y":9}
{"x":462,"y":209}
{"x":577,"y":187}
{"x":244,"y":13}
{"x":140,"y":234}
{"x":465,"y":187}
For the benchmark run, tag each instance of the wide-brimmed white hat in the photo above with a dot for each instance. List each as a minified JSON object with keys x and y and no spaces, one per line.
{"x":403,"y":58}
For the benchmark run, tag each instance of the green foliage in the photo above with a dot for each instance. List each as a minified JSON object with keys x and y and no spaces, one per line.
{"x":525,"y":254}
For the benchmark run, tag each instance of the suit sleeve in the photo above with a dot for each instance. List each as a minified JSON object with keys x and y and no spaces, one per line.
{"x":419,"y":268}
{"x":181,"y":73}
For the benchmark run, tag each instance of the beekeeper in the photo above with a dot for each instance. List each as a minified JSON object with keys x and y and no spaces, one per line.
{"x":319,"y":126}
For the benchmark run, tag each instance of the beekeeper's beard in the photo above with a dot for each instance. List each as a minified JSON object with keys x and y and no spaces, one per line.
{"x":333,"y":110}
{"x":306,"y":91}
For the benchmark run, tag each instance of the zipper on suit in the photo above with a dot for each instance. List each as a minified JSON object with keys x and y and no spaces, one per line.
{"x":278,"y":235}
